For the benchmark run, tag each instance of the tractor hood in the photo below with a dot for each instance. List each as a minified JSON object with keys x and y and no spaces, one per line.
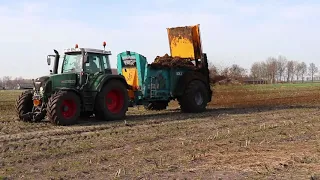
{"x":64,"y":80}
{"x":41,"y":81}
{"x":49,"y":83}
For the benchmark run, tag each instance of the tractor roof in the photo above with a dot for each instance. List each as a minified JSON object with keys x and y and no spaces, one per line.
{"x":90,"y":50}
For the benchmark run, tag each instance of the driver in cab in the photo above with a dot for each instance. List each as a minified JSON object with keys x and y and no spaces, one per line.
{"x":91,"y":66}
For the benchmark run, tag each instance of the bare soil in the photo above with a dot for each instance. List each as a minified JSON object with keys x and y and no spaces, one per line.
{"x":267,"y":133}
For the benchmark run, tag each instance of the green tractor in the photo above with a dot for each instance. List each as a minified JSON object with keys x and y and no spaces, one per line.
{"x":85,"y":86}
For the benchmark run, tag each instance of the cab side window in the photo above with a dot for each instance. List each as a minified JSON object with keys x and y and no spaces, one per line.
{"x":93,"y":64}
{"x":106,"y":63}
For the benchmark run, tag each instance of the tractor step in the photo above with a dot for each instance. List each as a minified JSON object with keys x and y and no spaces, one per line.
{"x":88,"y":101}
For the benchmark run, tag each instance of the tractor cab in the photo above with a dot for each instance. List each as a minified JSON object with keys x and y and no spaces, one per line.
{"x":82,"y":60}
{"x":89,"y":61}
{"x":80,"y":67}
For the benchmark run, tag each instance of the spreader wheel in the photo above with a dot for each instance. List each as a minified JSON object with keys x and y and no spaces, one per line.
{"x":64,"y":108}
{"x":113,"y":101}
{"x":195,"y":97}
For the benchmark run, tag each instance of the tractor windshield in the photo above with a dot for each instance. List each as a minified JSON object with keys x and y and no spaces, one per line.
{"x":72,"y":63}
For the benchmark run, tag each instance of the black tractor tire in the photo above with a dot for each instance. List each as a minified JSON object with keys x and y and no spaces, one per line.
{"x":24,"y":104}
{"x":112,"y":102}
{"x":64,"y":108}
{"x":156,"y":106}
{"x":195,"y":97}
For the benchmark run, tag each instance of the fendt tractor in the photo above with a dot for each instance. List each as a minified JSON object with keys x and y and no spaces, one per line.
{"x":84,"y":87}
{"x":183,"y":76}
{"x":87,"y":87}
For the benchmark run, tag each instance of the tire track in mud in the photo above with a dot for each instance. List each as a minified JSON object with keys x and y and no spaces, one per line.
{"x":86,"y":138}
{"x":58,"y":135}
{"x":15,"y":131}
{"x":59,"y":131}
{"x":61,"y":135}
{"x":53,"y":138}
{"x":46,"y":130}
{"x":11,"y":128}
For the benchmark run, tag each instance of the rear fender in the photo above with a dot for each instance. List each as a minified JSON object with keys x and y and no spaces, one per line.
{"x":109,"y":77}
{"x":77,"y":92}
{"x":70,"y":89}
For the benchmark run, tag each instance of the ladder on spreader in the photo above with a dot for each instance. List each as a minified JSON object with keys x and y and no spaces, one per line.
{"x":153,"y":87}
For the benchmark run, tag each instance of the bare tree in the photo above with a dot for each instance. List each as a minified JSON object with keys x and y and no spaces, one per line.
{"x":313,"y":69}
{"x":264,"y":70}
{"x":281,"y":66}
{"x":272,"y":69}
{"x":213,"y":72}
{"x":225,"y":72}
{"x":1,"y":83}
{"x":237,"y":72}
{"x":303,"y":70}
{"x":17,"y":80}
{"x":290,"y":70}
{"x":297,"y":71}
{"x":295,"y":68}
{"x":255,"y":70}
{"x":7,"y":80}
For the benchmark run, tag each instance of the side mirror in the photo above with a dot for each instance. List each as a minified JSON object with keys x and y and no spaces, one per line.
{"x":49,"y":59}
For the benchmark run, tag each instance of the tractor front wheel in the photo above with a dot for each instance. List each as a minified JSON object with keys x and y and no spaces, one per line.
{"x":24,"y":105}
{"x":63,"y":108}
{"x":112,"y":101}
{"x":195,"y":97}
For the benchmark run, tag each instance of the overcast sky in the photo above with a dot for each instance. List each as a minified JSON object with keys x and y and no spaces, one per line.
{"x":233,"y":31}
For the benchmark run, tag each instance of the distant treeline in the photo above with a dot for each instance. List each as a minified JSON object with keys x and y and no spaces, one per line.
{"x":272,"y":70}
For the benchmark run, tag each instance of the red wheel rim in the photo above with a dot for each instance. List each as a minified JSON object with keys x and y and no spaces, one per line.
{"x":114,"y":101}
{"x":68,"y":109}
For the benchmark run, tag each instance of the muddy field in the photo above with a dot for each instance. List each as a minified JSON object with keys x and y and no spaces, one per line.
{"x":255,"y":132}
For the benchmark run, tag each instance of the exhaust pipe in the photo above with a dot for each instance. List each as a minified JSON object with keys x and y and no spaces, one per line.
{"x":56,"y":62}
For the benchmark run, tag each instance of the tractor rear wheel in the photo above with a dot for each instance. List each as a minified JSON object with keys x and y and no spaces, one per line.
{"x":112,"y":101}
{"x":195,"y":97}
{"x":157,"y":106}
{"x":63,"y":108}
{"x":23,"y":105}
